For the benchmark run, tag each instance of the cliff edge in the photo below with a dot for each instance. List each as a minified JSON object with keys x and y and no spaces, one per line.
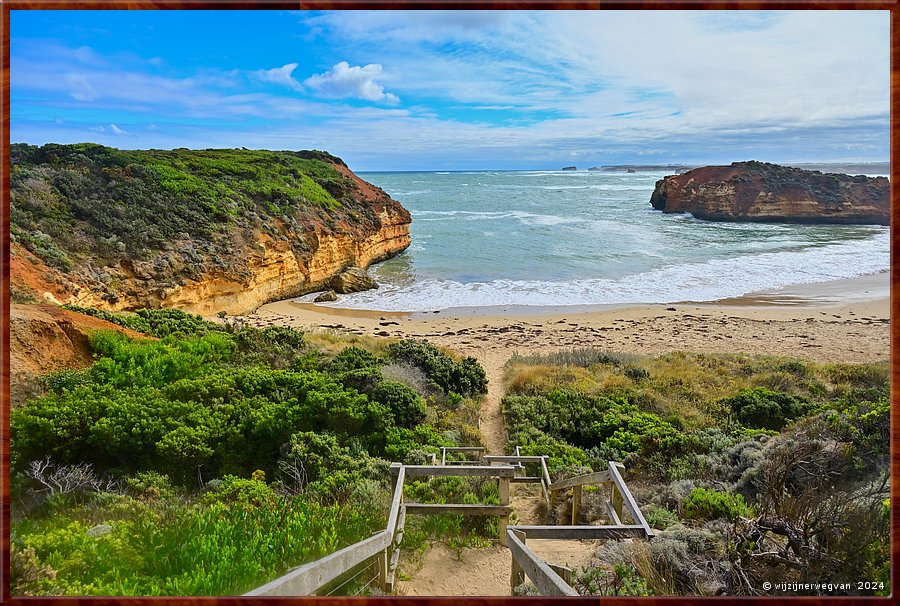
{"x":759,"y":191}
{"x":200,"y":230}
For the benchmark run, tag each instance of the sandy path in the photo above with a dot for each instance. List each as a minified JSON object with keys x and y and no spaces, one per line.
{"x":493,"y":430}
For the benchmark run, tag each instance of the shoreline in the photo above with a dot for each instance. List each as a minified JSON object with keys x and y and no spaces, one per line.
{"x":839,"y":321}
{"x":834,"y":293}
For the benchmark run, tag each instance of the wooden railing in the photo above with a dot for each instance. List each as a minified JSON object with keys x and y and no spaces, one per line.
{"x":545,"y":576}
{"x":383,"y":547}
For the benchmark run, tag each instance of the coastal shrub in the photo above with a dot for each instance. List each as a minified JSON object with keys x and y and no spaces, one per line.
{"x":220,"y":420}
{"x":126,"y":363}
{"x":273,"y":346}
{"x":660,"y":518}
{"x":167,"y":549}
{"x":363,"y":380}
{"x":465,"y":377}
{"x":232,"y":490}
{"x":353,"y":358}
{"x":761,"y":408}
{"x":150,"y":485}
{"x":406,"y":406}
{"x":707,"y":504}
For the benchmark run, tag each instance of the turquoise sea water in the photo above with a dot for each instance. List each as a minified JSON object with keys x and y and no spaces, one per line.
{"x":585,"y":238}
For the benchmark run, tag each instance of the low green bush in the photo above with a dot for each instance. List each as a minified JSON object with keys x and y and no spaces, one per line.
{"x":707,"y":504}
{"x":465,"y":377}
{"x":406,"y":406}
{"x":761,"y":408}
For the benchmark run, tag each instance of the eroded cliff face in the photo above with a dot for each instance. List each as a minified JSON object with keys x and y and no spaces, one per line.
{"x":265,"y":254}
{"x":758,"y":191}
{"x":46,"y":338}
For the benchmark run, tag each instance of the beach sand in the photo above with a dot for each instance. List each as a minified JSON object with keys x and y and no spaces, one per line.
{"x":841,"y":321}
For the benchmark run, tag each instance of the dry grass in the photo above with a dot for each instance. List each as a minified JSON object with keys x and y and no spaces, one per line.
{"x":331,"y":342}
{"x":686,"y":386}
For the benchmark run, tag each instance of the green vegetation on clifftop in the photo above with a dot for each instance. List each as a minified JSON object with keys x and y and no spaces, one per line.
{"x":95,"y":211}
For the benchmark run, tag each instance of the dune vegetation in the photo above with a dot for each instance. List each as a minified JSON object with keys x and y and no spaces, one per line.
{"x":753,"y":469}
{"x":188,"y":462}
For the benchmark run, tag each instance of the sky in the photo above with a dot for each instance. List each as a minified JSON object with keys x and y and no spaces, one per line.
{"x":457,"y":90}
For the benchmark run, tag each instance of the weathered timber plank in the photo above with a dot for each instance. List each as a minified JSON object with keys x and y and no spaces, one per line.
{"x":548,"y":582}
{"x":628,"y":499}
{"x":526,"y":480}
{"x":564,"y":572}
{"x":463,"y":508}
{"x":513,"y":458}
{"x":306,"y":579}
{"x":460,"y":470}
{"x":613,"y":514}
{"x":576,"y":503}
{"x":504,"y":501}
{"x":581,"y":532}
{"x":395,"y":502}
{"x":598,"y":477}
{"x":545,"y":473}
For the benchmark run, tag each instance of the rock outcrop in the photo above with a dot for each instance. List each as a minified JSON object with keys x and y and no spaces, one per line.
{"x":353,"y":279}
{"x":325,"y":297}
{"x":202,"y":231}
{"x":758,"y":191}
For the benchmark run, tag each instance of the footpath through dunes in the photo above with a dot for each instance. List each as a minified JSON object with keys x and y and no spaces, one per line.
{"x":470,"y":571}
{"x":849,"y":330}
{"x":445,"y":571}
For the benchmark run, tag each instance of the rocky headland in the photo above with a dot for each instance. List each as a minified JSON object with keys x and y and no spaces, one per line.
{"x":205,"y":231}
{"x":759,"y":191}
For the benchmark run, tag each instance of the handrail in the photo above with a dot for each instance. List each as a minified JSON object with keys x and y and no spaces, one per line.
{"x":597,"y":477}
{"x":616,"y":531}
{"x":629,"y":501}
{"x":309,"y":578}
{"x":544,"y":578}
{"x":306,"y":579}
{"x":395,"y":503}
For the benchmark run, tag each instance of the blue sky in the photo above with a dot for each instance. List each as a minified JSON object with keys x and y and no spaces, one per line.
{"x":461,"y":89}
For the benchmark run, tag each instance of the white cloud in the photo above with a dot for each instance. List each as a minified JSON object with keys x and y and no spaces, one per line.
{"x":343,"y":81}
{"x":279,"y":75}
{"x":117,"y":131}
{"x":79,"y":87}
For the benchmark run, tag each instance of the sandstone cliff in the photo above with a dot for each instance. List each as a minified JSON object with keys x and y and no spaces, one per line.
{"x":758,"y":191}
{"x":203,"y":231}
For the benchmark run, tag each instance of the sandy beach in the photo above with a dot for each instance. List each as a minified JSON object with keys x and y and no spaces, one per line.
{"x":841,"y":321}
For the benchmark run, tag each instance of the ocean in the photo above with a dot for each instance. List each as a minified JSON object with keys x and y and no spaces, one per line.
{"x":552,"y":238}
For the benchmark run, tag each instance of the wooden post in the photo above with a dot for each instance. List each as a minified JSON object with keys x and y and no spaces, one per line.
{"x":395,"y":473}
{"x":382,"y":559}
{"x":517,"y":576}
{"x":504,"y":500}
{"x":443,"y":456}
{"x":576,"y":504}
{"x":616,"y":499}
{"x":563,"y":571}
